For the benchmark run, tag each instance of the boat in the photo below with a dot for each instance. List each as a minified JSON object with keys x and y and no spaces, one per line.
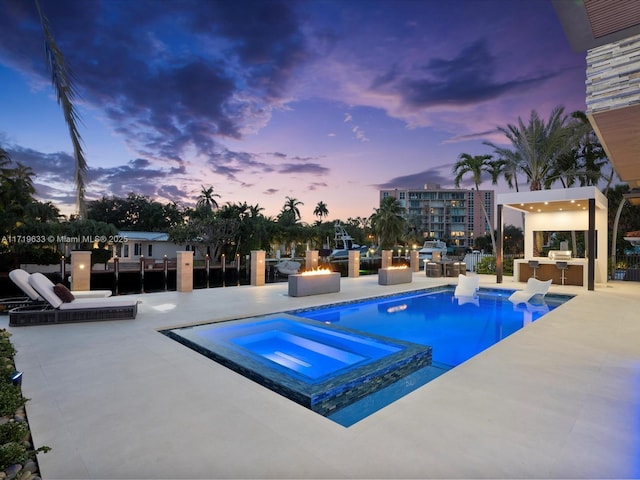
{"x":430,"y":247}
{"x":343,"y":242}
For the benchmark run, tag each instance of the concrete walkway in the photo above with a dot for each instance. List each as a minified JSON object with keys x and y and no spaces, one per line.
{"x":118,"y":400}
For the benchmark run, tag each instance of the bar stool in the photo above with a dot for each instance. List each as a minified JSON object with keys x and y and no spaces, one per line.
{"x":534,"y":265}
{"x":562,"y":266}
{"x":462,"y":268}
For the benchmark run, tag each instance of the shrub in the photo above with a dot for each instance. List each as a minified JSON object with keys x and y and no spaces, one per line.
{"x":12,"y":433}
{"x":12,"y":453}
{"x":487,"y":265}
{"x":16,"y":452}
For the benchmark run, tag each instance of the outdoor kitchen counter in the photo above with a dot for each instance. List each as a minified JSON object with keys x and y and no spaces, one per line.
{"x":576,"y":274}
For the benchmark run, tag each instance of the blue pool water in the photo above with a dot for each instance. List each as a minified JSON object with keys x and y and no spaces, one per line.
{"x":310,"y":351}
{"x":346,"y":361}
{"x":455,"y":330}
{"x":325,"y":368}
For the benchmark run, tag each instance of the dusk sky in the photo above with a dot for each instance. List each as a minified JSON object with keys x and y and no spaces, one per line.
{"x":317,"y":100}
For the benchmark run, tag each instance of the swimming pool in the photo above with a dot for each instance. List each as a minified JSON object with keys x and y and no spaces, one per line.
{"x":324,"y":368}
{"x":345,"y":361}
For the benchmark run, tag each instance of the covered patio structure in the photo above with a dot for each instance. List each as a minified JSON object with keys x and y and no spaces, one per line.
{"x":581,"y":209}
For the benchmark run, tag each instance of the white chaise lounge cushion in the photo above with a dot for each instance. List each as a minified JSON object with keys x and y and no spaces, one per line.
{"x":91,"y":293}
{"x":44,"y":287}
{"x":21,"y":279}
{"x":534,"y":287}
{"x":467,"y":286}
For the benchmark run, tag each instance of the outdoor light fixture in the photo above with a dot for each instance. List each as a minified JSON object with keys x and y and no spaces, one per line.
{"x":16,"y":379}
{"x":633,"y":197}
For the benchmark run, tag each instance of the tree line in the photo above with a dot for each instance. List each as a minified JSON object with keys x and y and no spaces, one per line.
{"x":561,"y":151}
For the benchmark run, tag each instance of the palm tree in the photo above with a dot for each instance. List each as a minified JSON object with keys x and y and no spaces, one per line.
{"x":5,"y":160}
{"x":476,"y":165}
{"x":254,"y":210}
{"x":321,"y":210}
{"x":537,"y":147}
{"x":23,"y":177}
{"x":61,"y":80}
{"x":291,"y":205}
{"x":387,"y":222}
{"x":43,"y":212}
{"x":206,"y":199}
{"x":587,"y":153}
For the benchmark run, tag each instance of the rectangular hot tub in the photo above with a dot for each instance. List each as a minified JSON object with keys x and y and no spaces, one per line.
{"x":322,"y":367}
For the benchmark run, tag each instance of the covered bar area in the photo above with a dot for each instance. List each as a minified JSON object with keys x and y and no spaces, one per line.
{"x":565,"y":236}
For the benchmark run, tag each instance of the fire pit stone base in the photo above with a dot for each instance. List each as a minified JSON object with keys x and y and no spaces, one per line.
{"x":304,"y":285}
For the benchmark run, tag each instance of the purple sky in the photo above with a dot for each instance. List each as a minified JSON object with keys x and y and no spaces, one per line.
{"x":317,"y":100}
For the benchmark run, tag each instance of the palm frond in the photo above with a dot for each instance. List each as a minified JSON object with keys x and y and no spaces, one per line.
{"x":62,"y":82}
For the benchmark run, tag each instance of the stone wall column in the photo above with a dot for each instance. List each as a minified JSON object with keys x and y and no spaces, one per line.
{"x":354,"y":263}
{"x":311,"y":260}
{"x":80,"y":270}
{"x":184,"y":272}
{"x":387,"y":258}
{"x":258,"y":258}
{"x":415,"y":261}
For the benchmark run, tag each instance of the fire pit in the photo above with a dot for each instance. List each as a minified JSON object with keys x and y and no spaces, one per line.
{"x":314,"y":282}
{"x":394,"y":275}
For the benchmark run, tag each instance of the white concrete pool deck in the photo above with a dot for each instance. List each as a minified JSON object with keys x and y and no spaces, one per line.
{"x":118,"y":400}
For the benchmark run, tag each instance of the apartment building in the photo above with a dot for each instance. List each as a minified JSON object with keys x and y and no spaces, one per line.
{"x":451,"y":215}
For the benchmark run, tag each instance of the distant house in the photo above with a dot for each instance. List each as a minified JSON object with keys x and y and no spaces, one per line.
{"x":148,"y":245}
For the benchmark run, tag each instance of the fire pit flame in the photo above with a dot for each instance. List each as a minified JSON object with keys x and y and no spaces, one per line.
{"x":318,"y":271}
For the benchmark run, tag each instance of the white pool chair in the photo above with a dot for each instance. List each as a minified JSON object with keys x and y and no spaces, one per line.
{"x":533,"y":288}
{"x":467,"y":286}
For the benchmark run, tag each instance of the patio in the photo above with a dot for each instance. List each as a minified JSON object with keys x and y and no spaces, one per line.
{"x":560,"y":398}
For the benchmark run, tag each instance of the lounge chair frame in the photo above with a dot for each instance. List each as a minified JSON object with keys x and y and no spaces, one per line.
{"x":45,"y":314}
{"x":7,"y":304}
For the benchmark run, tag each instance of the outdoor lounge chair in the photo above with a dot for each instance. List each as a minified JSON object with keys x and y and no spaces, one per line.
{"x":30,"y":297}
{"x":467,"y":286}
{"x":533,"y":288}
{"x":466,"y":290}
{"x":77,"y":310}
{"x":21,"y":279}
